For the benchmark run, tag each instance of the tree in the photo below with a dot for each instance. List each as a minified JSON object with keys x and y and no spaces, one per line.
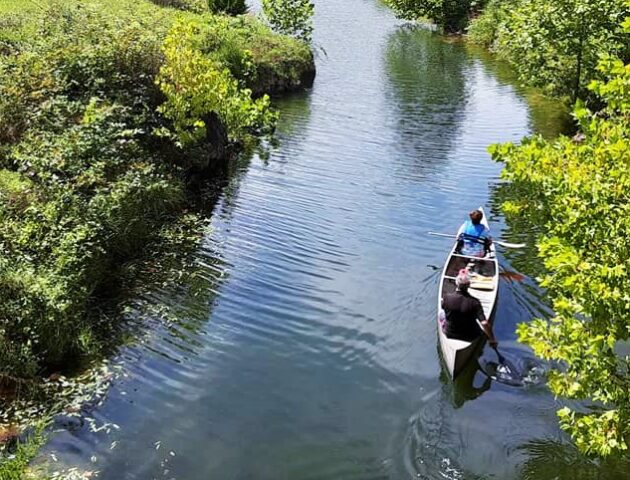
{"x":451,"y":15}
{"x":579,"y":189}
{"x":290,"y":17}
{"x":556,"y":44}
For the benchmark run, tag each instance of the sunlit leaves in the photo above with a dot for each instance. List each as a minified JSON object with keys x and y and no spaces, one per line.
{"x":452,"y":15}
{"x":195,"y":86}
{"x":554,"y":44}
{"x":290,"y":17}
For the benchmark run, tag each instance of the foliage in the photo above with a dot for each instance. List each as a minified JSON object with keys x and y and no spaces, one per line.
{"x":554,"y":45}
{"x":484,"y":29}
{"x":197,"y":6}
{"x":13,"y":467}
{"x":452,"y":15}
{"x":230,"y":7}
{"x":259,"y":59}
{"x":578,"y":189}
{"x":290,"y":17}
{"x":195,"y":85}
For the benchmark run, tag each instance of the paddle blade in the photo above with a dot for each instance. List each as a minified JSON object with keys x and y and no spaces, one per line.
{"x":510,"y":245}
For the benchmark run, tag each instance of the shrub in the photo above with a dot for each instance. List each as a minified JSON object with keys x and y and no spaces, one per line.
{"x":229,"y":7}
{"x":85,"y":181}
{"x":196,"y":85}
{"x":578,"y":190}
{"x":451,"y":15}
{"x":483,"y":29}
{"x":290,"y":17}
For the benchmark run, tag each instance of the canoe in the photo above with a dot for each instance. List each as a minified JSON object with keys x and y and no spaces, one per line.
{"x":484,"y":286}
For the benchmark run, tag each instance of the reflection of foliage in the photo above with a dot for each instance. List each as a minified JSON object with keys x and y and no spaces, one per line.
{"x":577,"y":190}
{"x":427,"y":70}
{"x":426,"y":76}
{"x":552,"y":460}
{"x":548,"y":115}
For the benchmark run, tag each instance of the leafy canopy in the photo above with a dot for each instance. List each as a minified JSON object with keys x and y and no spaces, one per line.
{"x":554,"y":44}
{"x":290,"y":17}
{"x":452,"y":15}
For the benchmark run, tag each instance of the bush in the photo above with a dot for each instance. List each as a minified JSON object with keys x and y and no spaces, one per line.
{"x":195,"y":85}
{"x":451,"y":15}
{"x":483,"y":29}
{"x":290,"y":17}
{"x":86,"y":181}
{"x":554,"y":45}
{"x":229,"y":7}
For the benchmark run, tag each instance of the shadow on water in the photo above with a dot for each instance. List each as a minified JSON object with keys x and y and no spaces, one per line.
{"x":428,"y":88}
{"x":470,"y":384}
{"x":548,"y":116}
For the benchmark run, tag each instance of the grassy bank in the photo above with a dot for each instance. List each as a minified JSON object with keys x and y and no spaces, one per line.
{"x":108,"y":109}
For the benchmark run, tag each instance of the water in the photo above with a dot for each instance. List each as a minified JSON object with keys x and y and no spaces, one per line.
{"x":304,"y":344}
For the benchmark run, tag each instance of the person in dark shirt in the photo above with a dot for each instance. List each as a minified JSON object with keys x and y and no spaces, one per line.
{"x":462,"y":311}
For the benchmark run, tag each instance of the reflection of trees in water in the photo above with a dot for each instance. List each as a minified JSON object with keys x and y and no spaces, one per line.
{"x":295,"y":110}
{"x":427,"y":79}
{"x":554,"y":460}
{"x":186,"y":291}
{"x":522,"y":229}
{"x":519,"y":229}
{"x":548,"y":116}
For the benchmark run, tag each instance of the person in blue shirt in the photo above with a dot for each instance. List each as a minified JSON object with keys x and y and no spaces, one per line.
{"x":473,"y":237}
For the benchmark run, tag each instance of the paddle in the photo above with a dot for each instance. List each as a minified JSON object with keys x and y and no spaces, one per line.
{"x":501,"y":357}
{"x":498,"y":242}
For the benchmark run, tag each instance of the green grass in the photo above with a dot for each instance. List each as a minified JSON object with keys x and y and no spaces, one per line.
{"x":14,"y":467}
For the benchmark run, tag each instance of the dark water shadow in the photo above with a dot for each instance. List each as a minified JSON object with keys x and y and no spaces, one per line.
{"x":558,"y":460}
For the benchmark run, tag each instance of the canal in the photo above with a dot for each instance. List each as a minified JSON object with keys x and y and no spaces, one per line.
{"x":303,"y":345}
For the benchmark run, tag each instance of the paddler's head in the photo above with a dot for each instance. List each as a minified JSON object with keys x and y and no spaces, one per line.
{"x":462,"y":281}
{"x":476,"y":216}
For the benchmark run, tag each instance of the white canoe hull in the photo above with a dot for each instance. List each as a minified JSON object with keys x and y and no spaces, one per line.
{"x":457,"y":353}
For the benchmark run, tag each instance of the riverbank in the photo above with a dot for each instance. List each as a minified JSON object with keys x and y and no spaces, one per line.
{"x":110,"y":115}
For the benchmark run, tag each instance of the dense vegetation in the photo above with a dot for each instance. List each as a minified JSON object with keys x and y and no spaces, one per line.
{"x":107,"y":109}
{"x":554,"y":45}
{"x":110,"y":113}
